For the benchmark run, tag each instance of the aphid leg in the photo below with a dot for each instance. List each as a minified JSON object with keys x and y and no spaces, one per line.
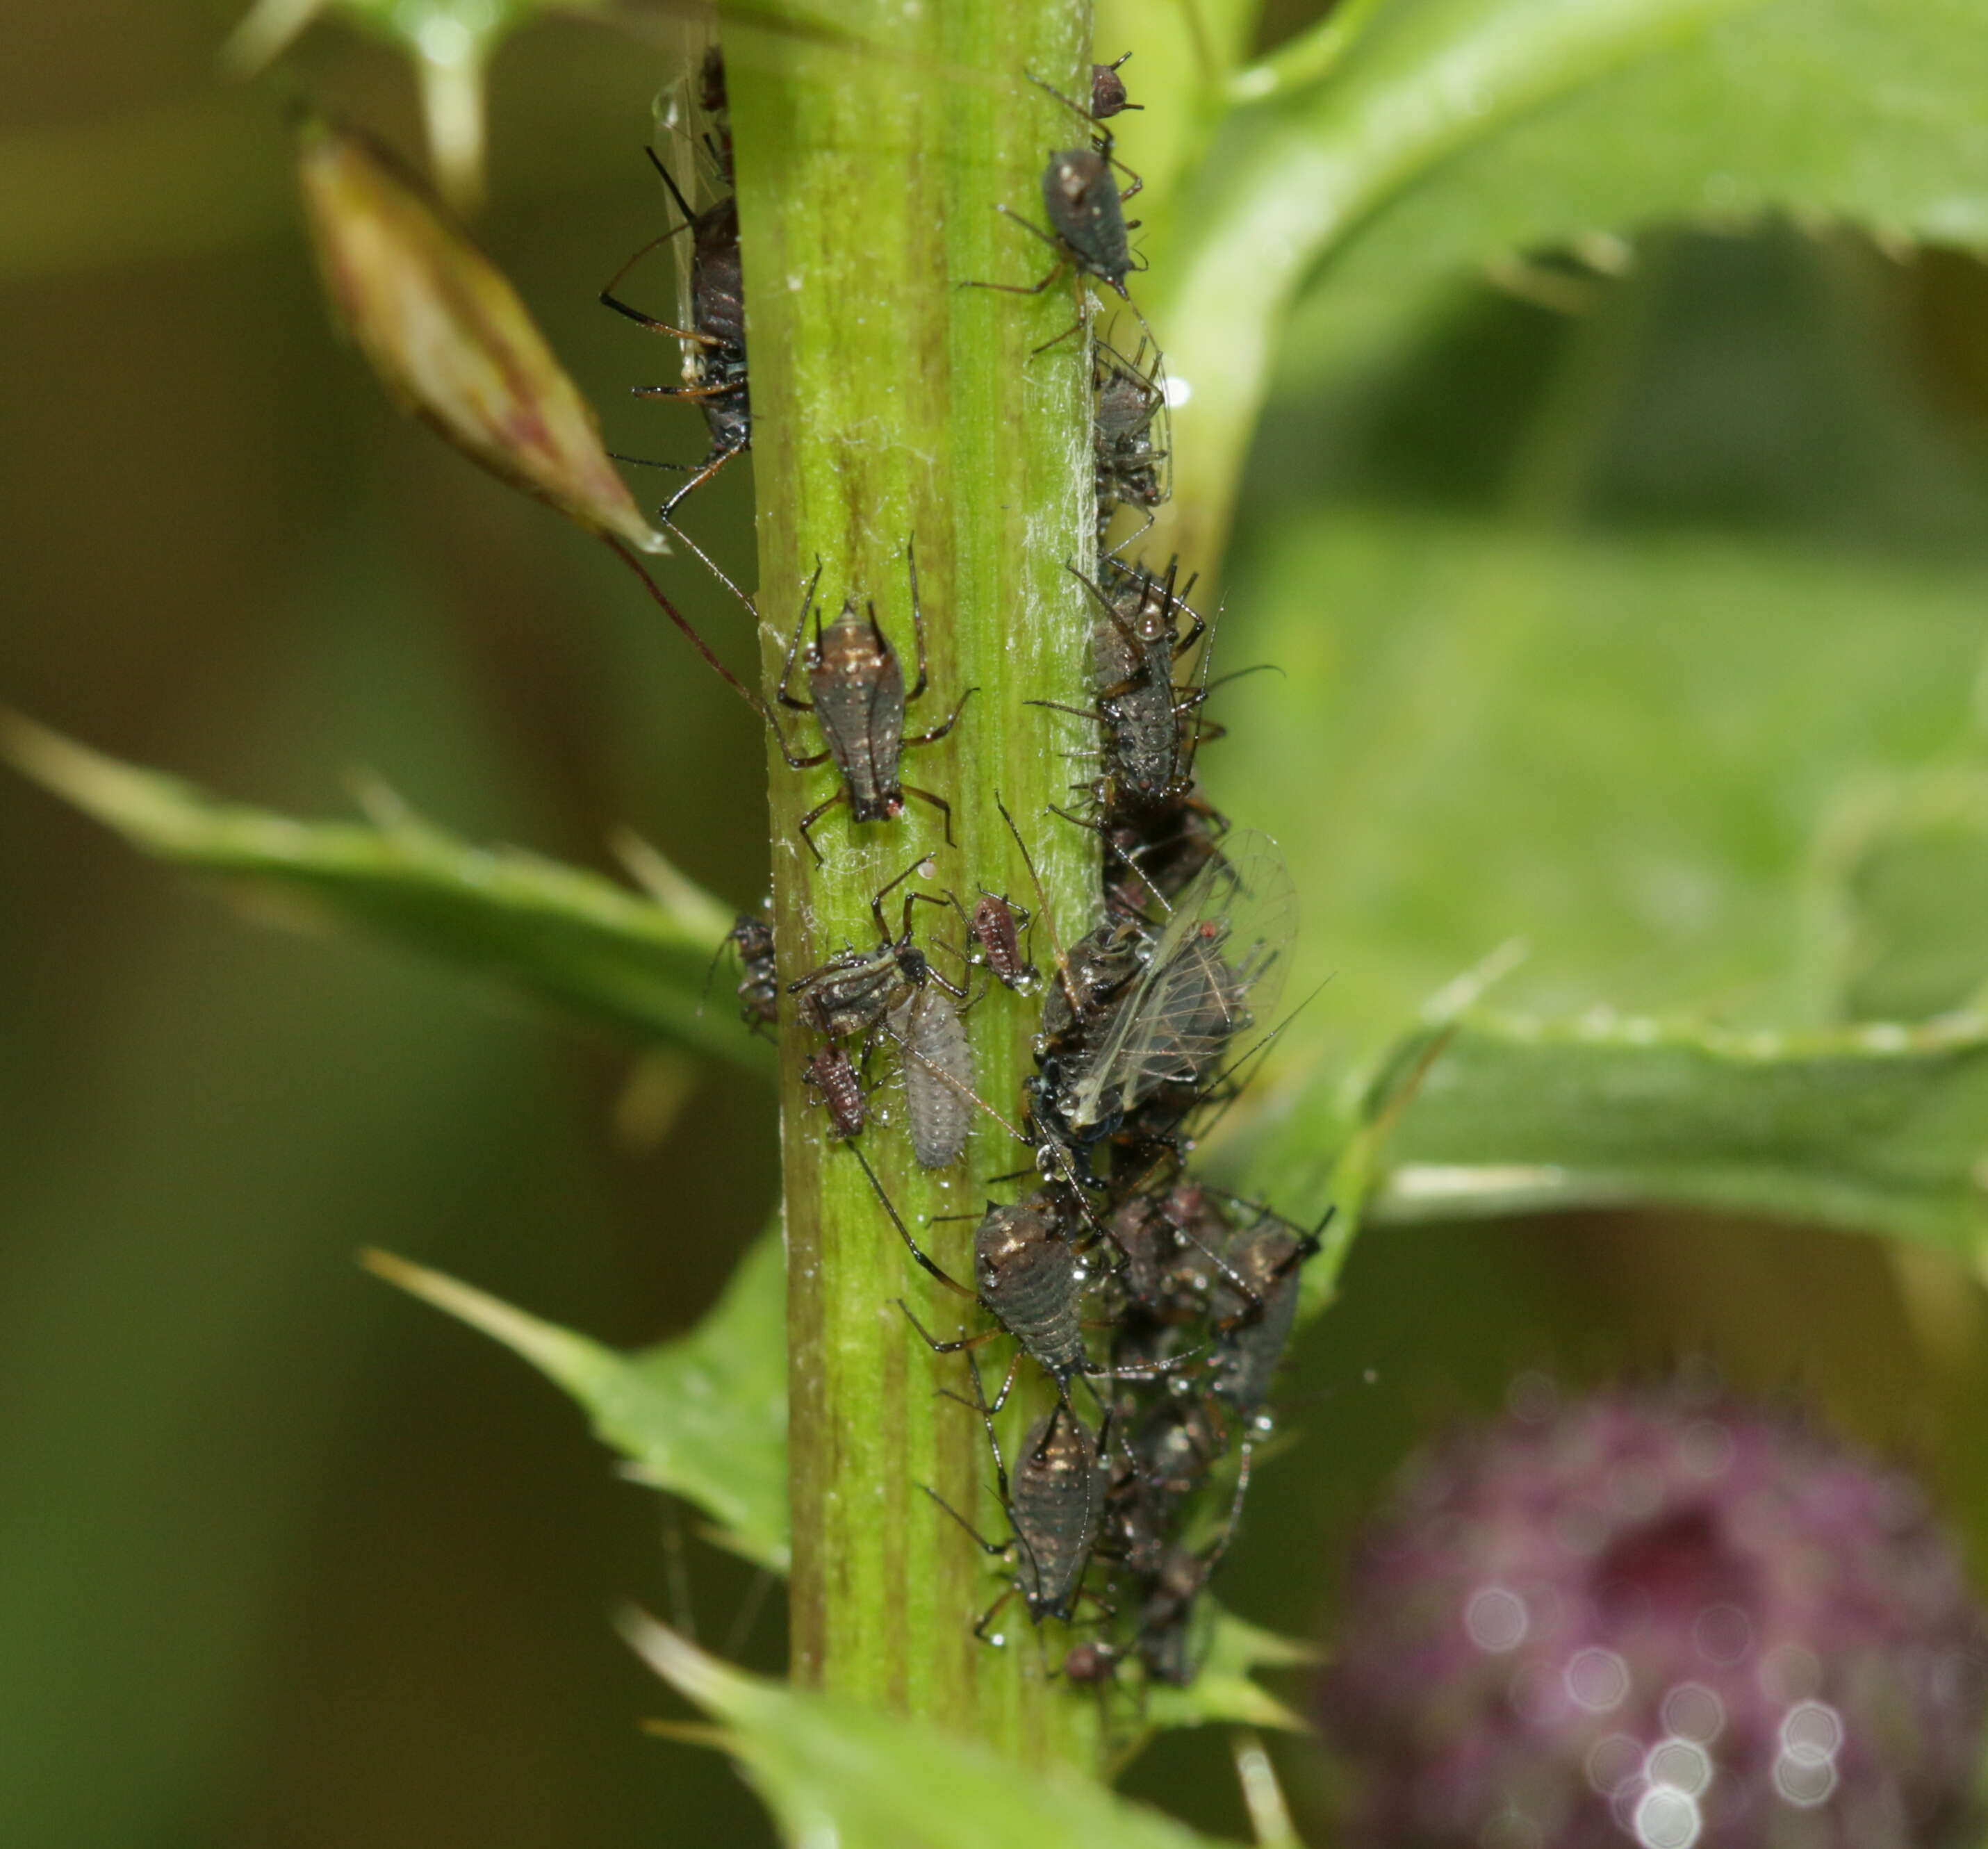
{"x":996,"y":1549}
{"x":1076,"y":712}
{"x":883,"y":892}
{"x":964,"y":1344}
{"x":815,"y":814}
{"x":988,"y":1617}
{"x":979,"y":1403}
{"x":697,"y":480}
{"x":675,"y":191}
{"x":1212,"y":1559}
{"x":785,"y":695}
{"x":939,"y":732}
{"x":711,"y":566}
{"x":659,"y":327}
{"x":925,"y":795}
{"x":697,"y":642}
{"x":695,"y":392}
{"x":1076,"y":327}
{"x":896,"y":1220}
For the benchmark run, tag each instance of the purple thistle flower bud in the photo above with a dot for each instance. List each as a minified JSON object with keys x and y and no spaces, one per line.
{"x":1657,"y":1620}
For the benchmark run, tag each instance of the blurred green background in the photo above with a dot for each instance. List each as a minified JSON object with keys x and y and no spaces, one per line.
{"x":1605,"y":605}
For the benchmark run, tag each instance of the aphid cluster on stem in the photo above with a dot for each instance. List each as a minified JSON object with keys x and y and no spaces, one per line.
{"x":1156,"y":1308}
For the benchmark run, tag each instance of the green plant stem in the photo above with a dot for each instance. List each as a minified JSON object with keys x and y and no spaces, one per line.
{"x":891,"y":402}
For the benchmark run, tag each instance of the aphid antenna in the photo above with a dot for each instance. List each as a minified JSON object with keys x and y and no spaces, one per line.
{"x":752,"y":699}
{"x":705,"y":558}
{"x":711,"y":970}
{"x":1045,"y":911}
{"x":676,"y":191}
{"x":1236,"y":1075}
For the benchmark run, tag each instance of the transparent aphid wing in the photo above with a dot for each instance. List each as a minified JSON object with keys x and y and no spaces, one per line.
{"x":678,"y":129}
{"x":1219,"y":967}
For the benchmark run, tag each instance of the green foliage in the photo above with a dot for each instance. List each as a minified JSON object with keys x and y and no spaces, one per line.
{"x":1222,"y":1689}
{"x":1617,"y":748}
{"x":1879,"y":1128}
{"x":568,"y":938}
{"x":833,"y":1771}
{"x":1452,"y":133}
{"x":704,"y":1417}
{"x":1903,"y":902}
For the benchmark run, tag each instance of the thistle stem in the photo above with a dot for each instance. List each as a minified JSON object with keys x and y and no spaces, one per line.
{"x":892,"y":403}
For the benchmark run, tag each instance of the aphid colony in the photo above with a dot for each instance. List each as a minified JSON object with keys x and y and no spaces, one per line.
{"x":1156,"y":1307}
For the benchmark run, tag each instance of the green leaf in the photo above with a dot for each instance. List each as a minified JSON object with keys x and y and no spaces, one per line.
{"x":563,"y":937}
{"x":1617,"y":748}
{"x":1904,"y":896}
{"x":705,"y":1416}
{"x":1223,"y":1691}
{"x":1454,"y":132}
{"x":1880,"y":1128}
{"x":833,"y":1772}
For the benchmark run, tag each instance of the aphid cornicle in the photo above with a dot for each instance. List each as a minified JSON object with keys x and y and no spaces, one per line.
{"x":852,"y":992}
{"x":857,"y":683}
{"x":718,"y":381}
{"x":937,"y":1068}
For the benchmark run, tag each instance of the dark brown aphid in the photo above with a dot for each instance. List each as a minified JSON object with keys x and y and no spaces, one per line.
{"x":1094,"y":980}
{"x":995,"y":925}
{"x":1169,"y":1245}
{"x":831,"y":1073}
{"x":1165,"y":1634}
{"x":1127,"y":401}
{"x":852,"y":992}
{"x":1055,"y":1504}
{"x":939,"y":1074}
{"x":759,"y":984}
{"x":1153,"y":856}
{"x":1107,"y":90}
{"x":1222,"y":955}
{"x":1087,"y":225}
{"x":858,"y":684}
{"x":717,"y":382}
{"x":1028,"y":1276}
{"x":1151,"y":728}
{"x":1257,"y":1305}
